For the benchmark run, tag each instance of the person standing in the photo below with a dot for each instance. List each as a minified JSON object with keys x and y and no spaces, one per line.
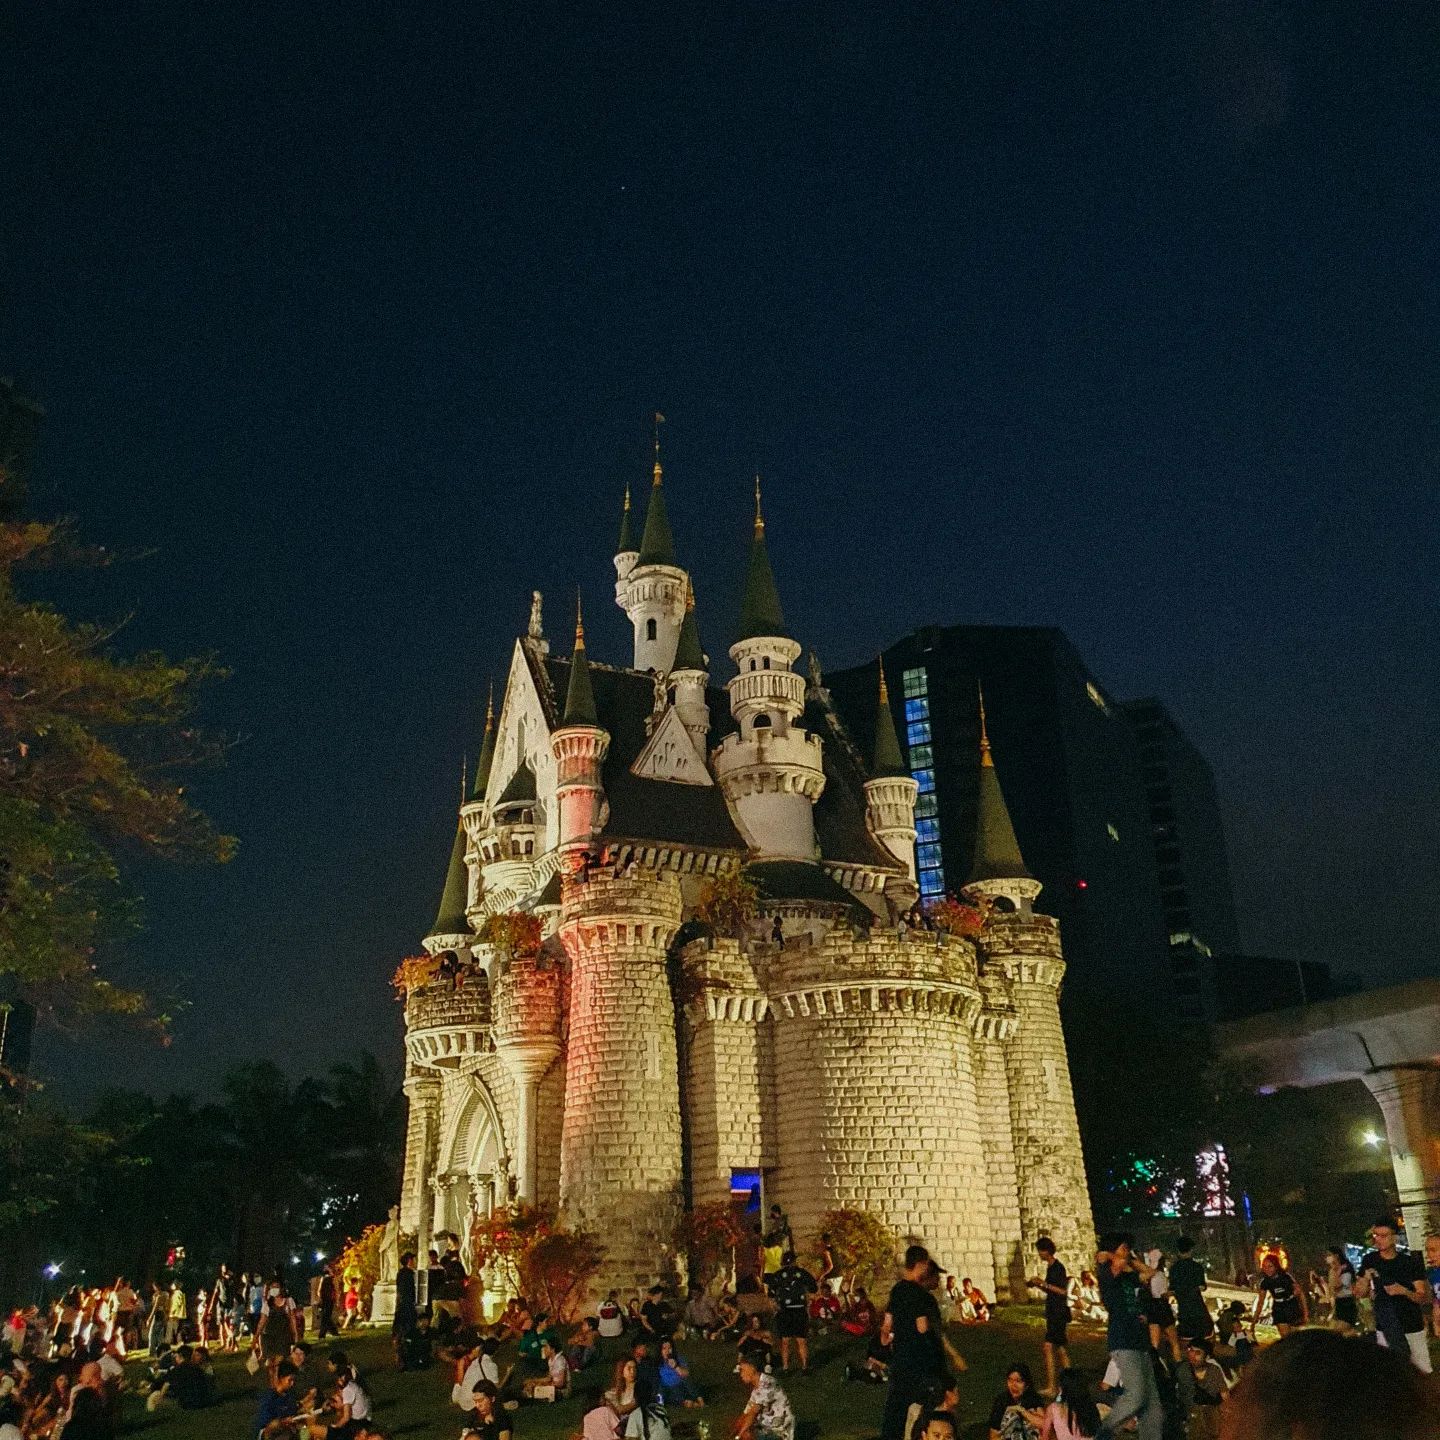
{"x":177,"y":1315}
{"x":1395,"y":1280}
{"x":1055,"y":1286}
{"x":155,"y":1320}
{"x":407,"y":1314}
{"x":1340,"y":1287}
{"x":791,"y":1289}
{"x":1188,"y":1285}
{"x":1288,"y":1308}
{"x":325,"y":1306}
{"x":1124,"y":1285}
{"x":911,"y":1328}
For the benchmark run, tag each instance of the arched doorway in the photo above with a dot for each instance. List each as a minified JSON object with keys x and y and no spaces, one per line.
{"x":473,"y":1173}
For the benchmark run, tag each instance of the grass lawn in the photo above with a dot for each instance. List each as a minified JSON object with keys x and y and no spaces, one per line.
{"x":418,"y":1405}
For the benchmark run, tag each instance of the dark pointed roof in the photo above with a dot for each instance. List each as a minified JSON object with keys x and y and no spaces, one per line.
{"x":688,"y":652}
{"x":657,"y":544}
{"x":487,"y":753}
{"x":887,"y":759}
{"x":450,"y":918}
{"x":579,"y":693}
{"x":521,"y":789}
{"x":627,"y":530}
{"x":997,"y":852}
{"x":760,"y":612}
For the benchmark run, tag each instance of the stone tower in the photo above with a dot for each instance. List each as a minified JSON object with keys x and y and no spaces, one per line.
{"x":771,"y":770}
{"x":1021,"y":954}
{"x":650,"y":587}
{"x":890,"y":794}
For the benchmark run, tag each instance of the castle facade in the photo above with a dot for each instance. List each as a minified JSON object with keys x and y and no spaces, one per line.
{"x":671,"y":961}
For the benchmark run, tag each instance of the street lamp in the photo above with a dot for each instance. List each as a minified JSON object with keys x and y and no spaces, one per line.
{"x":1370,"y":1138}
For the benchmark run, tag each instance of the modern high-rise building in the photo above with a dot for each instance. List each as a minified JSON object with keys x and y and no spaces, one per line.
{"x":1190,"y":856}
{"x":1067,"y":758}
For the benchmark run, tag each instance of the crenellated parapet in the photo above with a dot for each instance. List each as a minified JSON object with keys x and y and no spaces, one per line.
{"x":446,"y":1025}
{"x":638,"y":907}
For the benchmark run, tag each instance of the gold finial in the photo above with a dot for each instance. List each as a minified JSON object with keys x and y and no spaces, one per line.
{"x":659,"y":474}
{"x":884,"y":692}
{"x":985,"y":756}
{"x":627,"y":497}
{"x":490,"y":707}
{"x":759,"y":517}
{"x":464,"y":775}
{"x":579,"y":623}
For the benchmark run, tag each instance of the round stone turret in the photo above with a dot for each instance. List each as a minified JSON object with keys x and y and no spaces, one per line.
{"x":651,"y":589}
{"x":526,"y":1031}
{"x":620,"y":1150}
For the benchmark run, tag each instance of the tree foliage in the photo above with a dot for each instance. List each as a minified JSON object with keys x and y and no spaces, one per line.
{"x":866,"y":1249}
{"x":707,"y":1237}
{"x":93,"y":746}
{"x":556,"y":1270}
{"x":500,"y":1241}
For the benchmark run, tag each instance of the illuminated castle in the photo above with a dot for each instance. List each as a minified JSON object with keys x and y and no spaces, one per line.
{"x":615,"y":1024}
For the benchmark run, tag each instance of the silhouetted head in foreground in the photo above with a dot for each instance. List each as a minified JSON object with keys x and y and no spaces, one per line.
{"x":1318,"y":1385}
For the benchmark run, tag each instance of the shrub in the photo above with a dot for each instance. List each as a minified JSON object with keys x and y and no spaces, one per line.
{"x":708,"y":1235}
{"x":865,"y":1247}
{"x":556,"y":1269}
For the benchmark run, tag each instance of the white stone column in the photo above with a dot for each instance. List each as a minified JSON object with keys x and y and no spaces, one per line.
{"x":527,"y":1060}
{"x":1409,"y":1099}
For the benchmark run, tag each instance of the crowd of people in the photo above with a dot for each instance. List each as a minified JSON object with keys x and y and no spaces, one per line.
{"x":1178,"y":1369}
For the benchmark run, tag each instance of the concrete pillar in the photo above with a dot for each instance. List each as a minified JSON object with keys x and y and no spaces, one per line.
{"x":1409,"y":1099}
{"x":422,"y":1090}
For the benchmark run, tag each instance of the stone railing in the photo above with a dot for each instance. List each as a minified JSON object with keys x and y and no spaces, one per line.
{"x":444,"y":1025}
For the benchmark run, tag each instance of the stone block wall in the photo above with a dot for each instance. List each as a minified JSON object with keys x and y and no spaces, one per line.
{"x":422,"y":1091}
{"x":1049,"y":1162}
{"x":992,"y":1088}
{"x":876,"y":1110}
{"x":620,"y":1160}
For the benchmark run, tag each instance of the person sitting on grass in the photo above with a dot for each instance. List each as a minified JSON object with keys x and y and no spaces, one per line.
{"x":478,"y":1363}
{"x":702,"y":1315}
{"x":860,"y":1318}
{"x":1018,"y":1412}
{"x":555,"y":1383}
{"x":1073,"y":1413}
{"x":610,"y":1317}
{"x":192,"y":1384}
{"x":937,"y":1425}
{"x":1202,"y":1387}
{"x":648,"y":1420}
{"x":489,"y":1421}
{"x":875,"y":1367}
{"x":620,"y":1397}
{"x":676,"y":1386}
{"x":756,"y":1344}
{"x":279,"y":1414}
{"x":583,"y":1344}
{"x":657,"y":1319}
{"x":979,"y":1306}
{"x":767,"y":1414}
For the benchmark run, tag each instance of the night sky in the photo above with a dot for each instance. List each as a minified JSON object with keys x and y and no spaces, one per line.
{"x":1093,"y":316}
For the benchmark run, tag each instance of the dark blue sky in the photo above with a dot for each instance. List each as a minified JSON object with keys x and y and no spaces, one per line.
{"x":1113,"y":317}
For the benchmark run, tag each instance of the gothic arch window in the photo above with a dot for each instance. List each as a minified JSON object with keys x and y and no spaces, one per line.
{"x":649,"y":629}
{"x":762,"y":722}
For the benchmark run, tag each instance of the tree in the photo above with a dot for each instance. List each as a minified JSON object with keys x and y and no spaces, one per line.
{"x":865,"y":1247}
{"x":91,"y":748}
{"x":556,"y":1270}
{"x":501,"y":1240}
{"x":707,"y":1236}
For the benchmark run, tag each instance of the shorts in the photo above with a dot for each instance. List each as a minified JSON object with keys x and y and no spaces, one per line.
{"x":1286,"y":1313}
{"x":1158,"y":1312}
{"x":1055,"y":1327}
{"x":1196,"y":1326}
{"x":792,"y":1324}
{"x":1347,"y":1310}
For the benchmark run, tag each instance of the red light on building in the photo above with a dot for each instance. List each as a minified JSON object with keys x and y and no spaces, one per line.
{"x":1082,"y":884}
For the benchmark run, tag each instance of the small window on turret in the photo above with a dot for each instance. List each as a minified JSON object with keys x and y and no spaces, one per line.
{"x":766,"y":662}
{"x":649,"y":629}
{"x":762,"y":722}
{"x":752,"y":664}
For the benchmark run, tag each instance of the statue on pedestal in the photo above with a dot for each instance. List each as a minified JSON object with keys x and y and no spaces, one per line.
{"x":390,"y":1248}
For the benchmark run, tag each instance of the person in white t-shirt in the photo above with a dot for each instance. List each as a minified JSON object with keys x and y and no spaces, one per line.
{"x":481,"y":1365}
{"x":610,"y":1319}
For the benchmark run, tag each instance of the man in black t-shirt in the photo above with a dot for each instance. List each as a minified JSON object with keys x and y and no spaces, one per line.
{"x":912,"y":1329}
{"x":1056,"y":1288}
{"x":657,"y":1319}
{"x":1187,"y":1285}
{"x":791,"y":1288}
{"x":1395,"y":1280}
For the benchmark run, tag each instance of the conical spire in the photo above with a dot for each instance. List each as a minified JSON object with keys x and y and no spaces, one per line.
{"x":657,"y":544}
{"x":580,"y":696}
{"x":627,"y":530}
{"x":450,"y":918}
{"x":760,"y":612}
{"x":688,"y":653}
{"x":997,"y":852}
{"x":487,"y":750}
{"x":888,"y":760}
